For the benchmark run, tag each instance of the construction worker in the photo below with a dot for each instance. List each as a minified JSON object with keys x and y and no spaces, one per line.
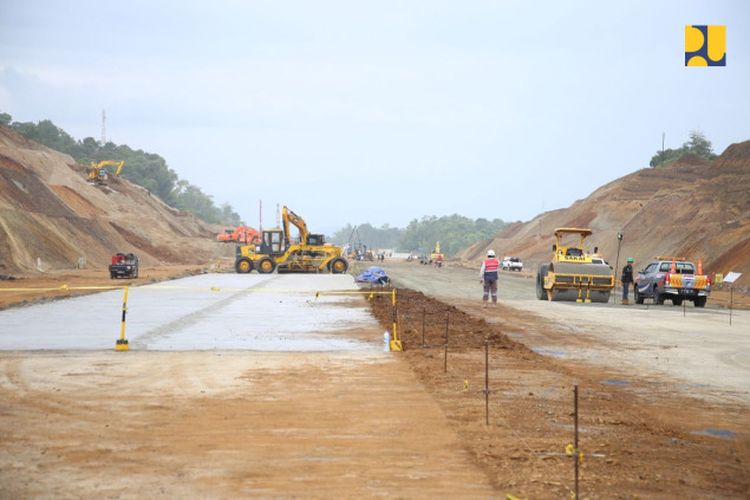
{"x":488,"y":277}
{"x":627,"y":279}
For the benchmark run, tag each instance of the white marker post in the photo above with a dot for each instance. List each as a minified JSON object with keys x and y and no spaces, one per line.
{"x":730,"y":278}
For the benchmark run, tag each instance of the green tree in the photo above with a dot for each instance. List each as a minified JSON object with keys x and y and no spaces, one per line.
{"x":145,"y":169}
{"x":368,"y":235}
{"x":5,"y":119}
{"x":454,"y":232}
{"x":697,"y":145}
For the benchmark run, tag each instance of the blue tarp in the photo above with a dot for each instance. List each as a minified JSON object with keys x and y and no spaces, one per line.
{"x":374,"y":275}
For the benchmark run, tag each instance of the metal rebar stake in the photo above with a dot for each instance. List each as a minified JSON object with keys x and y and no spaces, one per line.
{"x":575,"y":439}
{"x":447,"y":322}
{"x":487,"y":382}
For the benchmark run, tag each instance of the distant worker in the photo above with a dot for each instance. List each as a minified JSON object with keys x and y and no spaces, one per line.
{"x":627,"y":279}
{"x":488,"y":277}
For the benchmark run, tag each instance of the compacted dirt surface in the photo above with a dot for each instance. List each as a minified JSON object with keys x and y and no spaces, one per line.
{"x":694,"y":351}
{"x":18,"y":290}
{"x":222,"y":423}
{"x":639,"y":439}
{"x":225,"y":425}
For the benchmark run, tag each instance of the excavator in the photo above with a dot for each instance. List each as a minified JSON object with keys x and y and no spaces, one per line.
{"x":573,"y":274}
{"x":98,"y":174}
{"x":241,"y":235}
{"x":277,"y":251}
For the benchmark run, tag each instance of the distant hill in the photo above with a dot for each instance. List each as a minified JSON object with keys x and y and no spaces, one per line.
{"x":49,"y":211}
{"x":693,"y":208}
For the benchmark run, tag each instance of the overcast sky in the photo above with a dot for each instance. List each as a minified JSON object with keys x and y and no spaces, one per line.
{"x":380,"y":111}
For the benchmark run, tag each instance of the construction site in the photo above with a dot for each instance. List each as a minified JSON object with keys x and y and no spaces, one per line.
{"x":144,"y":352}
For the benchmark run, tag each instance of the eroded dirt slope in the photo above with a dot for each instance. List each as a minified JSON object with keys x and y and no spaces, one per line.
{"x":49,"y":211}
{"x":693,"y":208}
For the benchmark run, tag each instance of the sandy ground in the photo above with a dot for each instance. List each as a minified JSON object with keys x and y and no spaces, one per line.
{"x":227,"y":423}
{"x":83,"y":277}
{"x":229,"y":415}
{"x":696,"y":350}
{"x":224,"y":424}
{"x":640,"y":438}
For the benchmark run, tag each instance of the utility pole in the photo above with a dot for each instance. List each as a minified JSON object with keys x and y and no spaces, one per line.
{"x":663,"y":136}
{"x":104,"y":127}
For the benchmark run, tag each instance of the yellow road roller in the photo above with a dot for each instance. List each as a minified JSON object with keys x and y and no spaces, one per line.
{"x":573,"y":274}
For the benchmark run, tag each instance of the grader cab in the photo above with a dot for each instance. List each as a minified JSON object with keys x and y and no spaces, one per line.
{"x":277,"y":251}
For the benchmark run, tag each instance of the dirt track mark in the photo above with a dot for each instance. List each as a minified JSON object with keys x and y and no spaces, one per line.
{"x":190,"y":319}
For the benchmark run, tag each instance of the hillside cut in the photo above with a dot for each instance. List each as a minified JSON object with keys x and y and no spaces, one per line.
{"x":49,"y":213}
{"x":694,"y":208}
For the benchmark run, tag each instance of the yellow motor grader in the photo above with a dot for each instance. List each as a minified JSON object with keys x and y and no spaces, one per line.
{"x":276,"y":250}
{"x":573,"y":274}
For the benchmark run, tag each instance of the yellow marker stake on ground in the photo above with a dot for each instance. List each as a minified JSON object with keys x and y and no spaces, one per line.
{"x":395,"y":341}
{"x":122,"y":342}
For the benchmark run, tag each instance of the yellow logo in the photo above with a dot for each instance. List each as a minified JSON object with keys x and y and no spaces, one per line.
{"x":705,"y":45}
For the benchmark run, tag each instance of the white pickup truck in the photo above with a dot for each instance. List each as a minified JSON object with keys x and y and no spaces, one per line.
{"x":511,"y":264}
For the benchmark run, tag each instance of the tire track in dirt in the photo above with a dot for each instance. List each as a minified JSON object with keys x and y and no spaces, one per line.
{"x":174,"y":326}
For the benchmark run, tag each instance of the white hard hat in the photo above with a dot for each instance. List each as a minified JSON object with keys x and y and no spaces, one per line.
{"x":490,"y":253}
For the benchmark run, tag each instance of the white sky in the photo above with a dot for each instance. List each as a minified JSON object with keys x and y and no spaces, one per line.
{"x":380,"y":111}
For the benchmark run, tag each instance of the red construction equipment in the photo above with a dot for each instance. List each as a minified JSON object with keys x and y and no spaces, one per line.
{"x":244,"y":235}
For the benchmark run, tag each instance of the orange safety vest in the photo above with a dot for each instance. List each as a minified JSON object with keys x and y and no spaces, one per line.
{"x":491,"y":265}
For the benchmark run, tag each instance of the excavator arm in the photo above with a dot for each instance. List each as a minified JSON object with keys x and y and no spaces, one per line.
{"x":289,"y":216}
{"x":96,"y":166}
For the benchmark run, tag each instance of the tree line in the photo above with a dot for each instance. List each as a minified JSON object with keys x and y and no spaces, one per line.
{"x":149,"y":170}
{"x":697,"y":145}
{"x":454,"y":232}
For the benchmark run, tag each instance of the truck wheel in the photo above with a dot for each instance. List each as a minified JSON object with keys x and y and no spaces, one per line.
{"x":540,"y":292}
{"x":677,"y":301}
{"x":111,"y":276}
{"x":638,"y":296}
{"x":339,"y":265}
{"x":243,"y":265}
{"x":700,"y":302}
{"x":266,"y":265}
{"x":658,"y":298}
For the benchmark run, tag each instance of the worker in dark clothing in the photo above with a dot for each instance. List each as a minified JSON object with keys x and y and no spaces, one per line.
{"x":627,"y":279}
{"x":488,"y":277}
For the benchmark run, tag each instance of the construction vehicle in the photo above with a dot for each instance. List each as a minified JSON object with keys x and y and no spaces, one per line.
{"x":276,"y":250}
{"x":245,"y":235}
{"x":436,"y":255}
{"x":124,"y":266}
{"x":97,"y":173}
{"x":673,"y":278}
{"x":573,"y":274}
